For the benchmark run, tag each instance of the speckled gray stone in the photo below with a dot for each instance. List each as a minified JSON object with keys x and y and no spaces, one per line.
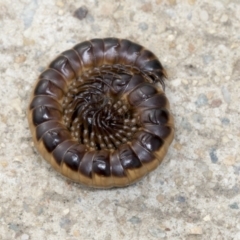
{"x":195,"y":193}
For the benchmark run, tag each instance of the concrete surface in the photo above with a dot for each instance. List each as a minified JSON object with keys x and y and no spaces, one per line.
{"x":194,"y":194}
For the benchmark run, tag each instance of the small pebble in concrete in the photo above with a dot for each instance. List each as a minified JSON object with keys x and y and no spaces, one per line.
{"x":181,"y":199}
{"x":207,"y":59}
{"x":213,"y":155}
{"x":81,"y":12}
{"x":65,"y":222}
{"x":202,"y":100}
{"x":135,"y":220}
{"x":216,"y":103}
{"x":234,"y":206}
{"x":225,"y":121}
{"x":157,"y":233}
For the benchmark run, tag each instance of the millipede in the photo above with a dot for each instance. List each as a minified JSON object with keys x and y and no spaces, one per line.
{"x":99,"y":115}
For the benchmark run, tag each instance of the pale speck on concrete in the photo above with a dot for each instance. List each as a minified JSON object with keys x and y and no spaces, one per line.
{"x":196,"y":230}
{"x":65,"y":211}
{"x":29,"y":12}
{"x":207,"y":59}
{"x":207,"y":218}
{"x":224,"y":18}
{"x":226,"y":94}
{"x":25,"y":236}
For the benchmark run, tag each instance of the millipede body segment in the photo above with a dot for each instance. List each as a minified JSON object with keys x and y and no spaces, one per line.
{"x":98,"y":114}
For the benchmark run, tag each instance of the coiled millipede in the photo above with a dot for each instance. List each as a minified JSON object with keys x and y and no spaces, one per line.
{"x":98,"y":114}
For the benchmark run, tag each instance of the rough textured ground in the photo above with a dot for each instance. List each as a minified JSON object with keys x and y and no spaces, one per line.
{"x":194,"y":194}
